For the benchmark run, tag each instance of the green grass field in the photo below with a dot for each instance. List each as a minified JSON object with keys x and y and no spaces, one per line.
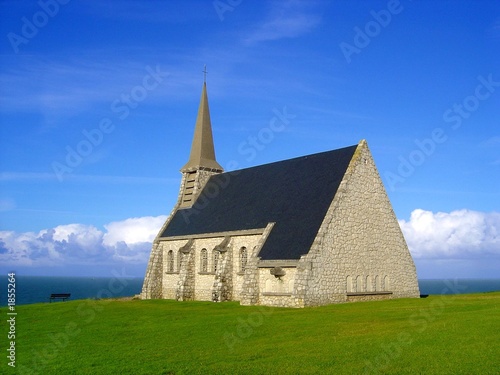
{"x":454,"y":334}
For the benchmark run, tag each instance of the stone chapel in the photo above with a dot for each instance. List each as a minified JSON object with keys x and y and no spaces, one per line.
{"x":308,"y":231}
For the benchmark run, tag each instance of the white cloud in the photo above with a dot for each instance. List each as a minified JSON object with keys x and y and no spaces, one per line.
{"x":461,"y":235}
{"x":456,"y":235}
{"x":126,"y":241}
{"x":134,"y":230}
{"x":288,"y":19}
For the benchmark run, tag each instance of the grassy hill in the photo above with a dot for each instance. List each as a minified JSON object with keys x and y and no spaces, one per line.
{"x":454,"y":334}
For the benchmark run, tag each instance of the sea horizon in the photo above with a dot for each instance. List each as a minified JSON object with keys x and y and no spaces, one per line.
{"x":37,"y":289}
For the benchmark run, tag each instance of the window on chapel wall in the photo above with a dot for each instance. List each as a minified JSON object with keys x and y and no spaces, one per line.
{"x":243,"y":258}
{"x":377,"y":283}
{"x":385,"y":283}
{"x":216,"y":260}
{"x":349,"y":285}
{"x":359,"y":284}
{"x":369,"y":286}
{"x":203,"y":260}
{"x":170,"y":261}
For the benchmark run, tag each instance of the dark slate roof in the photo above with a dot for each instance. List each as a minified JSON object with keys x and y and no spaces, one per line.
{"x":294,"y":193}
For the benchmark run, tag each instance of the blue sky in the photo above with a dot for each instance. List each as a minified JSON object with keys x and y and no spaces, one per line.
{"x":99,"y":100}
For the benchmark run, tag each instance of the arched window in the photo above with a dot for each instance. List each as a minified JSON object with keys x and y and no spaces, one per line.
{"x":349,"y":284}
{"x":377,"y":284}
{"x":359,"y":284}
{"x":369,"y":286}
{"x":385,"y":283}
{"x":203,"y":260}
{"x":170,"y":261}
{"x":243,"y":258}
{"x":216,"y":260}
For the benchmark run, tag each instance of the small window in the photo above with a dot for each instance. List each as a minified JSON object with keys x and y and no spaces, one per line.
{"x":170,"y":261}
{"x":243,"y":258}
{"x":349,"y":284}
{"x":369,"y":286}
{"x":359,"y":284}
{"x":385,"y":283}
{"x":216,"y":260}
{"x":203,"y":261}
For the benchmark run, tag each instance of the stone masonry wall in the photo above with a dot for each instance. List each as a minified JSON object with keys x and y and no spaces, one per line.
{"x":222,"y":289}
{"x":276,"y":291}
{"x":250,"y":290}
{"x":152,"y":286}
{"x":185,"y":267}
{"x":204,"y":282}
{"x":360,"y":245}
{"x":200,"y":180}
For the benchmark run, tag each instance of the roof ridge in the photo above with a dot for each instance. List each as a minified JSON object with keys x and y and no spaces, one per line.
{"x":293,"y":159}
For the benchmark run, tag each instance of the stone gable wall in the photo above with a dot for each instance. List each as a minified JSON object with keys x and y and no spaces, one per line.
{"x":360,"y":244}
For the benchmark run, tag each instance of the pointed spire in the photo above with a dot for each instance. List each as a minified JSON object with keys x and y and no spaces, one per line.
{"x":202,"y":149}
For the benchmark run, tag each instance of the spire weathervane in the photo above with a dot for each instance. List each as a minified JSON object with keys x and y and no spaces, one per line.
{"x":205,"y":73}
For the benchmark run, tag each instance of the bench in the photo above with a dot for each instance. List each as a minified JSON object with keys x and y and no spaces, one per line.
{"x":63,"y":296}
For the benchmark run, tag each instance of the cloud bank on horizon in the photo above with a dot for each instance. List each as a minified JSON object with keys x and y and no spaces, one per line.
{"x":443,"y":239}
{"x":94,"y":125}
{"x":76,"y":249}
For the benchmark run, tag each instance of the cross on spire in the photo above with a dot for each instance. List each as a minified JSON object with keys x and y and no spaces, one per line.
{"x":205,"y":73}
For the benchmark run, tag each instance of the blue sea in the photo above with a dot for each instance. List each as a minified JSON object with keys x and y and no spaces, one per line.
{"x":36,"y":289}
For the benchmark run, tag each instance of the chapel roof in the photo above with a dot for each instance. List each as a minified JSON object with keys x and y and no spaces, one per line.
{"x":295,"y":194}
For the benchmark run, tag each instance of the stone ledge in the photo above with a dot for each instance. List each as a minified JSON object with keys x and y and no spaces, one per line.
{"x":206,"y":273}
{"x":246,"y":232}
{"x":283,"y":263}
{"x":274,"y":294}
{"x":172,"y":273}
{"x":367,"y":293}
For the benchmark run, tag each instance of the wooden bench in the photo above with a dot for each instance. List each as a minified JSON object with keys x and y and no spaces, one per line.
{"x":63,"y":296}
